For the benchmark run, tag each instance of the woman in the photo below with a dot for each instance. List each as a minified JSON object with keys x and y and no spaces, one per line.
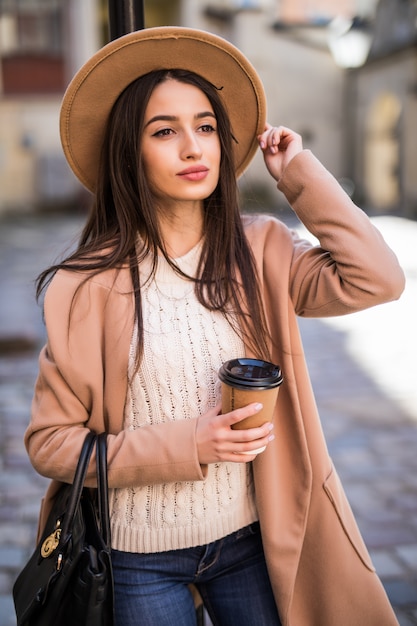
{"x":169,"y":281}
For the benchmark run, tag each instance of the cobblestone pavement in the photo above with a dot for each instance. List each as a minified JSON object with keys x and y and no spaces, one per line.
{"x":360,"y":370}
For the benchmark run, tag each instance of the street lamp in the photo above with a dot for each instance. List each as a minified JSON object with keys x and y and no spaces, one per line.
{"x":125,"y":16}
{"x":349,"y":41}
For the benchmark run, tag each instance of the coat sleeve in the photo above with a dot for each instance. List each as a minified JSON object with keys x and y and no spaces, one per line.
{"x":352,"y":268}
{"x":82,"y":382}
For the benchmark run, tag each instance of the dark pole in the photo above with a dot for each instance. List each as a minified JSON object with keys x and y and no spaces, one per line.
{"x":125,"y":16}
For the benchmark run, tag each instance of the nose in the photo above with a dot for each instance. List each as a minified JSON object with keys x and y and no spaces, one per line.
{"x":191,"y":148}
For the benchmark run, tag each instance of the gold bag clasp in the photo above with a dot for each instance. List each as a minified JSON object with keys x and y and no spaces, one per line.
{"x":51,"y":542}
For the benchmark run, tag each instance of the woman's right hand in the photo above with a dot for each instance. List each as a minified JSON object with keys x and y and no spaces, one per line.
{"x":217,"y":441}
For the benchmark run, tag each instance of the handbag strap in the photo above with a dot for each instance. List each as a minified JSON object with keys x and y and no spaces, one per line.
{"x":102,"y":488}
{"x":78,"y":483}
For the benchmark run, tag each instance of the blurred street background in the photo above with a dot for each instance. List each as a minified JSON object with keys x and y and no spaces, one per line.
{"x":342,"y":74}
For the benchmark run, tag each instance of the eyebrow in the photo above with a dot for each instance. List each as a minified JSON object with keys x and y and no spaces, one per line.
{"x":174,"y":118}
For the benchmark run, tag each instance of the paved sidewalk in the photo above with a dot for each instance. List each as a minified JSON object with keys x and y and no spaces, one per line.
{"x":371,"y":428}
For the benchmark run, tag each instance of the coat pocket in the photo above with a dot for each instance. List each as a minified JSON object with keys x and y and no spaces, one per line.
{"x":335,"y":492}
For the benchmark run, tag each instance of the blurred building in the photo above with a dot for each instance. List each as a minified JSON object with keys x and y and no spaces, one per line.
{"x":355,"y":114}
{"x":42,"y":43}
{"x":287,"y":41}
{"x":382,"y":96}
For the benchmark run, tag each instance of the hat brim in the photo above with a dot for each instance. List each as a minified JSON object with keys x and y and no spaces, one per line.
{"x":95,"y":88}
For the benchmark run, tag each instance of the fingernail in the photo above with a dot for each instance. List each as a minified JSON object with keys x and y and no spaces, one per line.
{"x":262,"y":144}
{"x":271,"y":437}
{"x":258,"y":406}
{"x":270,"y":427}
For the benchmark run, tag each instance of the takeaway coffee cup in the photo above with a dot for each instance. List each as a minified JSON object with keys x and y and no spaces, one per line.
{"x":250,"y":380}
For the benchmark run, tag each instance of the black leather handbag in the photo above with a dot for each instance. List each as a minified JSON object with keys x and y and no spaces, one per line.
{"x":68,"y":580}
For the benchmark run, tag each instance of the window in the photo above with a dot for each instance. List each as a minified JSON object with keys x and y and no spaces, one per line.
{"x":31,"y":46}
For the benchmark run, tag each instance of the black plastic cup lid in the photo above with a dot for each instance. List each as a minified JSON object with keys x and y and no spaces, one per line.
{"x":250,"y":374}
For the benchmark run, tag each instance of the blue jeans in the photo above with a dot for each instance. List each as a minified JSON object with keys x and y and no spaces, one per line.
{"x":230,"y":574}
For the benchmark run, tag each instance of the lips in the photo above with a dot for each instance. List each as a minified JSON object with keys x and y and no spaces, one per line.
{"x":194,"y":173}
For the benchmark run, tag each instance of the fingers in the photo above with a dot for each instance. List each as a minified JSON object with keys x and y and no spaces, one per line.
{"x":253,"y":441}
{"x":237,"y":415}
{"x":277,"y":138}
{"x":270,"y":138}
{"x":241,"y":446}
{"x":217,"y":441}
{"x":279,"y":145}
{"x":245,"y":440}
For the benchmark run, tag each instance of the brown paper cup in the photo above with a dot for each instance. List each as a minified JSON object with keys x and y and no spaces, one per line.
{"x":237,"y":398}
{"x":245,"y":381}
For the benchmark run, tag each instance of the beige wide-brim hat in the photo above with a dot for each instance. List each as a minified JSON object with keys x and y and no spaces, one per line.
{"x":95,"y":88}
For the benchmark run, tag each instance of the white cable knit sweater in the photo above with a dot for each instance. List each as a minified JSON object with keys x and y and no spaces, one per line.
{"x":184,"y":346}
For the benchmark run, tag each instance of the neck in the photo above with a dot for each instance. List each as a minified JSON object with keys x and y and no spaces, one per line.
{"x":181,"y":229}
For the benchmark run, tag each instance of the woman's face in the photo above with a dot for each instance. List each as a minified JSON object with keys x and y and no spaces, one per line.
{"x":180,"y":144}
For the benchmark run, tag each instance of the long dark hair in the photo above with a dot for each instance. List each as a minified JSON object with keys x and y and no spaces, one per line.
{"x":124,"y":206}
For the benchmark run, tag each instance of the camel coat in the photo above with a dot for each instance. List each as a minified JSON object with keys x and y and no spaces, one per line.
{"x":320,"y":570}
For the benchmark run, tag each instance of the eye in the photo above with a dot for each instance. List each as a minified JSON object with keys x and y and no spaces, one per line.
{"x":207,"y":128}
{"x":164,"y":132}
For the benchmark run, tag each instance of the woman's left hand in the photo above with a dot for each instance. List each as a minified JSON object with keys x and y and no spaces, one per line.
{"x":279,"y":145}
